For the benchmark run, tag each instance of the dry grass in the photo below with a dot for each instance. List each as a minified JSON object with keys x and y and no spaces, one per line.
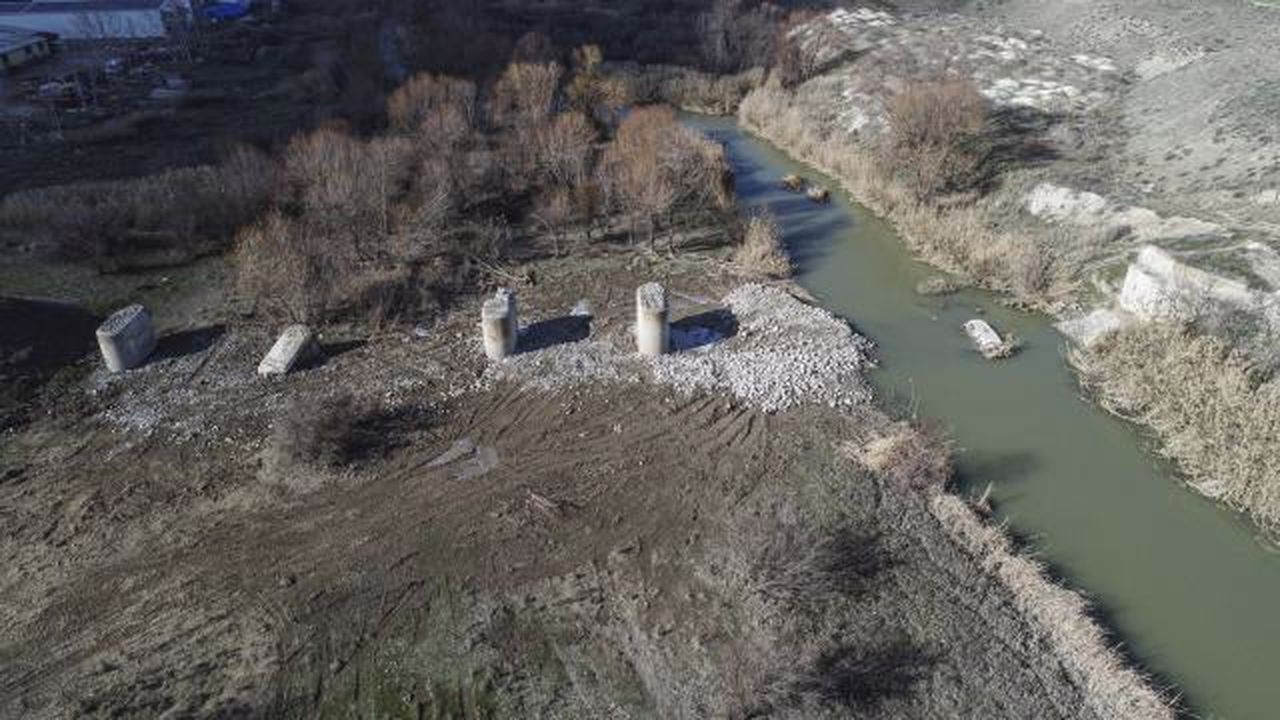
{"x":914,"y":456}
{"x":177,"y":213}
{"x":1204,"y":400}
{"x":960,"y":234}
{"x":762,"y":252}
{"x":317,"y":432}
{"x":1113,"y":689}
{"x":288,"y":271}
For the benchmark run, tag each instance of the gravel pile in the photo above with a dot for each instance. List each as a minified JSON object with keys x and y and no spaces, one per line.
{"x":181,"y":394}
{"x":783,"y":354}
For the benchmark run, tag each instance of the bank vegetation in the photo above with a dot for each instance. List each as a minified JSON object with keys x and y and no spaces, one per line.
{"x":1213,"y":409}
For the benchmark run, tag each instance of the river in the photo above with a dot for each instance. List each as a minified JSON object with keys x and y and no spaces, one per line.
{"x":1187,"y":586}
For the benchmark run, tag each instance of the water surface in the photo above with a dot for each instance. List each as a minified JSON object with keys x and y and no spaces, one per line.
{"x":1186,"y":585}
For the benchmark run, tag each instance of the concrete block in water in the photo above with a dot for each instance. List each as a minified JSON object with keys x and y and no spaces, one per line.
{"x":986,"y":339}
{"x":499,"y":324}
{"x":294,"y":345}
{"x":126,"y":338}
{"x":653,"y":331}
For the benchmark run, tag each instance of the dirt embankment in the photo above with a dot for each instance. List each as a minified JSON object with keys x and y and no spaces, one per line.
{"x":734,"y":529}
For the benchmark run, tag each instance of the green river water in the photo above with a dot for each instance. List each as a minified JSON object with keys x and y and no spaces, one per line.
{"x":1187,"y":586}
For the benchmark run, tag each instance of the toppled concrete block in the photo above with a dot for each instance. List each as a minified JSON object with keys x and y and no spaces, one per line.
{"x":987,"y":340}
{"x":1159,"y":287}
{"x":818,"y":194}
{"x":499,"y":324}
{"x":653,"y":331}
{"x":126,"y":338}
{"x":295,"y":345}
{"x":1089,"y":329}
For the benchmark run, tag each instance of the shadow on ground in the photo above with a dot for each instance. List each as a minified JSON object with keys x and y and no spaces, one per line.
{"x":186,"y":342}
{"x":703,"y":329}
{"x":556,"y":331}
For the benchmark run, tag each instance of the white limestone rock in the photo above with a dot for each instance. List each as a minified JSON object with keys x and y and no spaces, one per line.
{"x":1159,"y":287}
{"x":1087,"y":330}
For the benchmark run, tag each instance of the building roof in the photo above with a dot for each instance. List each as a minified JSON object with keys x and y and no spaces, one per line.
{"x":35,"y":7}
{"x":12,"y":37}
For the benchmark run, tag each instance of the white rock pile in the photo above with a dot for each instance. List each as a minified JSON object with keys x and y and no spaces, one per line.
{"x":784,"y":354}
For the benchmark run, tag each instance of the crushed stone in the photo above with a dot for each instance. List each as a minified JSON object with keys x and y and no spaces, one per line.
{"x":783,"y":354}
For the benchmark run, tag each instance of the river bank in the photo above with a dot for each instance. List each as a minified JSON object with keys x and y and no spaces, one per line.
{"x":1054,"y":233}
{"x":1108,"y":520}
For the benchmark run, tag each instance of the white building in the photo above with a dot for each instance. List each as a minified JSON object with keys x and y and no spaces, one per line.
{"x":19,"y":47}
{"x":95,"y":19}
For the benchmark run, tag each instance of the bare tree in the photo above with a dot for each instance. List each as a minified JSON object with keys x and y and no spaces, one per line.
{"x":655,"y":165}
{"x":936,"y":139}
{"x":635,"y":162}
{"x":426,"y":98}
{"x":525,"y":95}
{"x":563,"y":149}
{"x":592,"y":92}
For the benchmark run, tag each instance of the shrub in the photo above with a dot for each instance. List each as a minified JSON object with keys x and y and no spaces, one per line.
{"x":525,"y":94}
{"x":318,"y":432}
{"x":590,"y":91}
{"x":290,"y":271}
{"x":563,"y":149}
{"x":936,"y":139}
{"x":917,"y":457}
{"x":424,"y":96}
{"x":346,"y":187}
{"x":761,"y":251}
{"x":655,"y":166}
{"x":179,"y":213}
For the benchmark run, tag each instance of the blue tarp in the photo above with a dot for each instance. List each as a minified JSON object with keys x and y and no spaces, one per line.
{"x":227,"y":10}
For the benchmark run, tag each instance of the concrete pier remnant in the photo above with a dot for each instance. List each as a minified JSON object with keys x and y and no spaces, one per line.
{"x":653,"y":331}
{"x":126,"y":338}
{"x":499,"y":324}
{"x":987,"y":340}
{"x":294,"y":345}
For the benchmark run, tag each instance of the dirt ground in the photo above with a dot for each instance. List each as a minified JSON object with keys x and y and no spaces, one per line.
{"x":498,"y":547}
